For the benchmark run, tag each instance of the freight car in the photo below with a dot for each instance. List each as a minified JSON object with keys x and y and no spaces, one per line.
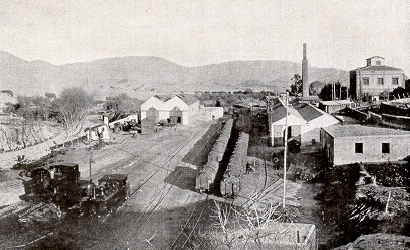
{"x":206,"y":174}
{"x":231,"y":182}
{"x":60,"y":185}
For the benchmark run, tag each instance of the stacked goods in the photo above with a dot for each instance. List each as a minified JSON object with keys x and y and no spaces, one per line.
{"x":219,"y":147}
{"x":206,"y":175}
{"x":230,"y":184}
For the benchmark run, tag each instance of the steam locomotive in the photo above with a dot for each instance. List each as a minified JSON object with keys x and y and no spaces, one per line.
{"x":60,"y":185}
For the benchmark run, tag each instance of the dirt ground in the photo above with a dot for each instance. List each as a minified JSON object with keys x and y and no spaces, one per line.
{"x":161,"y":206}
{"x":165,"y":212}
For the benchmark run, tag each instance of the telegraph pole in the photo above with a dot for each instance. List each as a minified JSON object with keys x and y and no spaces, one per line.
{"x":91,"y":159}
{"x":286,"y":149}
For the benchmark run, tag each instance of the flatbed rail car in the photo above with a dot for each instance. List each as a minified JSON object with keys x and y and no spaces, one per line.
{"x":231,"y":182}
{"x":60,"y":185}
{"x":206,"y":174}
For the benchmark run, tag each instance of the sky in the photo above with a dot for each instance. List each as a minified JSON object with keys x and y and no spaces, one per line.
{"x":339,"y":33}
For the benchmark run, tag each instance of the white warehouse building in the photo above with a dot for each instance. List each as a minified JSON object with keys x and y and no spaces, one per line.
{"x":182,"y":107}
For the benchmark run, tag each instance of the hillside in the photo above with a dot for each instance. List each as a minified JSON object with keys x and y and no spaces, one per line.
{"x":139,"y":76}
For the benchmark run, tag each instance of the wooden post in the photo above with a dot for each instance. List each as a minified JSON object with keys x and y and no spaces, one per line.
{"x":387,"y":204}
{"x":285,"y":153}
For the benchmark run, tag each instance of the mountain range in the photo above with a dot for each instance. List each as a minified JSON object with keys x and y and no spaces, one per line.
{"x":142,"y":76}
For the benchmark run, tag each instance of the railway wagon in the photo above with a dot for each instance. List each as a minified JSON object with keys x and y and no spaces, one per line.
{"x":206,"y":176}
{"x":219,"y":147}
{"x":230,"y":186}
{"x":231,"y":181}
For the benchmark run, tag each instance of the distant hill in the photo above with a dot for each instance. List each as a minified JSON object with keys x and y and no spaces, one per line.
{"x":139,"y":76}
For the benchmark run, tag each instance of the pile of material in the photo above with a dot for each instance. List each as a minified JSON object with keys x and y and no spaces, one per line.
{"x":397,"y":198}
{"x":378,"y":242}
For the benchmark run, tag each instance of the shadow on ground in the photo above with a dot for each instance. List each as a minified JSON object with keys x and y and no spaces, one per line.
{"x":198,"y":155}
{"x":182,"y":177}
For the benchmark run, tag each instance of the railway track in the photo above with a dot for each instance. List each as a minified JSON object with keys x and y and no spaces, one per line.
{"x":132,"y":228}
{"x":176,"y":244}
{"x":124,"y":235}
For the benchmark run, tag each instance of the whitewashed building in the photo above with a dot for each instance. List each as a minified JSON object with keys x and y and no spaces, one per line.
{"x":182,"y":106}
{"x":346,"y":144}
{"x":304,"y":121}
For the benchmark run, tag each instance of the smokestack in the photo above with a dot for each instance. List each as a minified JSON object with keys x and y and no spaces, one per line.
{"x":305,"y":73}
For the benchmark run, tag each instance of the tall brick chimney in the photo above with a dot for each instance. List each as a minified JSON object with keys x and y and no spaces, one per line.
{"x":305,"y":73}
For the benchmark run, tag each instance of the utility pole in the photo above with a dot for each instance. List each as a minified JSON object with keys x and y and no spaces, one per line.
{"x":91,"y":159}
{"x":285,"y":153}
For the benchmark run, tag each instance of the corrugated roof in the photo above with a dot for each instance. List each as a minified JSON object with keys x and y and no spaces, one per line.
{"x":378,"y":68}
{"x":355,"y":130}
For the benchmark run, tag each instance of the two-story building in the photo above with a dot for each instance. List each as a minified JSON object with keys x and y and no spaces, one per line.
{"x":374,"y":79}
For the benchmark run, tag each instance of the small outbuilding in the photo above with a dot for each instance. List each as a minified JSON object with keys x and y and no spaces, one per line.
{"x":334,"y":106}
{"x":346,"y":144}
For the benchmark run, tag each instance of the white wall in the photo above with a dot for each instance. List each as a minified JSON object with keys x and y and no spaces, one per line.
{"x":151,"y":102}
{"x":374,"y":88}
{"x":164,"y":108}
{"x":312,"y":128}
{"x":276,"y":129}
{"x":344,"y":149}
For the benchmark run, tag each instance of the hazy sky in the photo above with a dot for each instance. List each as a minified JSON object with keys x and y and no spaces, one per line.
{"x":340,"y":34}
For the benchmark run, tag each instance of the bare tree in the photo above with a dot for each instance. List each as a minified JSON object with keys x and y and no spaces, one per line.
{"x":243,"y":227}
{"x":122,"y":104}
{"x":72,"y":106}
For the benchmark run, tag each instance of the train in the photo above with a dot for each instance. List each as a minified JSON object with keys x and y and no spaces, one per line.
{"x":59,"y":184}
{"x":207,"y":173}
{"x":231,"y":182}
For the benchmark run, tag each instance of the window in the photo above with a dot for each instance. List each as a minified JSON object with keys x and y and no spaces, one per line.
{"x":385,"y":148}
{"x":358,"y":148}
{"x":395,"y":81}
{"x":380,"y":81}
{"x":365,"y":80}
{"x":369,"y":62}
{"x":378,"y":63}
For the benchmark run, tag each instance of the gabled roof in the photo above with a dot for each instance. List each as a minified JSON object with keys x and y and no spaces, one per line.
{"x":375,"y":57}
{"x":188,"y":98}
{"x":163,"y":98}
{"x":378,"y":68}
{"x":307,"y":111}
{"x":303,"y":111}
{"x":279,"y":110}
